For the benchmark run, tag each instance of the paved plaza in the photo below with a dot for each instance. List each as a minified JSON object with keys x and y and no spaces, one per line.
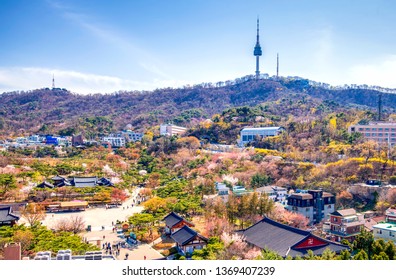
{"x":99,"y":218}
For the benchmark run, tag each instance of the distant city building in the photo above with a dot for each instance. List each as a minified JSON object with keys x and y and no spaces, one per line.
{"x":346,"y":224}
{"x":77,"y":140}
{"x":381,"y":132}
{"x":385,"y":231}
{"x":390,"y":215}
{"x":316,"y":205}
{"x":132,"y":136}
{"x":277,"y":194}
{"x":115,"y":142}
{"x":171,"y":130}
{"x":57,"y":141}
{"x":250,"y":134}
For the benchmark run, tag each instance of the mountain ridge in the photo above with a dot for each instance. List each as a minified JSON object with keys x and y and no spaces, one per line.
{"x":53,"y":110}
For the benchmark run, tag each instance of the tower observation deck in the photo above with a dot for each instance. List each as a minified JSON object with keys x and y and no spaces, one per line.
{"x":257,"y":51}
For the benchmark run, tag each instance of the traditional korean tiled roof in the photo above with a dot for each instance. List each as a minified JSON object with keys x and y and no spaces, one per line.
{"x":173,"y":219}
{"x":84,"y":181}
{"x":283,"y":239}
{"x":45,"y":184}
{"x":184,"y":235}
{"x":6,"y":215}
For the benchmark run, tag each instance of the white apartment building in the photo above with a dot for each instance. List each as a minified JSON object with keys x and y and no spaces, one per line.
{"x":170,"y":130}
{"x":381,"y":132}
{"x":114,"y":141}
{"x":386,"y":231}
{"x":249,"y":134}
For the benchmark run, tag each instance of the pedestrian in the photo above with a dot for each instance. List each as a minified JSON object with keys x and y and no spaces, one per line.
{"x":144,"y":257}
{"x":126,"y":256}
{"x":104,"y":237}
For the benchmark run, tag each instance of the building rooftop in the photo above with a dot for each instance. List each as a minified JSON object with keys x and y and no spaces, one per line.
{"x":6,"y":215}
{"x":286,"y":240}
{"x":185,"y":235}
{"x":173,"y":219}
{"x":385,"y":226}
{"x":253,"y":129}
{"x":344,"y":212}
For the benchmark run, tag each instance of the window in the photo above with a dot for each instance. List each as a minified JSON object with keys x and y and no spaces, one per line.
{"x":379,"y":129}
{"x":360,"y":129}
{"x":307,"y":209}
{"x":374,"y":129}
{"x":386,"y":129}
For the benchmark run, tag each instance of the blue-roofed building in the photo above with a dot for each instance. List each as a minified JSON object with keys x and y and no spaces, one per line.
{"x":249,"y":134}
{"x":50,"y":140}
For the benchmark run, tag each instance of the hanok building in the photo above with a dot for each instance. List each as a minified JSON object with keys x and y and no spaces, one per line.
{"x":78,"y":182}
{"x":316,"y":205}
{"x":346,"y":224}
{"x":7,"y":218}
{"x":287,"y":241}
{"x":188,"y":240}
{"x":174,"y":222}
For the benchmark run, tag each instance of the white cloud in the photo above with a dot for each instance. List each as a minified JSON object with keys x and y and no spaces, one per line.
{"x":28,"y":78}
{"x":113,"y":37}
{"x":323,"y":44}
{"x":381,"y":73}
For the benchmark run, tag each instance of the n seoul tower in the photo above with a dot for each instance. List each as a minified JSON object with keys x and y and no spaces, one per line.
{"x":257,"y":52}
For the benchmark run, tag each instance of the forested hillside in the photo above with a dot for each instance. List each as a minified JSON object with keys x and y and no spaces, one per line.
{"x":60,"y":111}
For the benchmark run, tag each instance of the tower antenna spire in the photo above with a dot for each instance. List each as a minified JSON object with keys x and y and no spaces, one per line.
{"x":277,"y":65}
{"x":53,"y":81}
{"x":257,"y":50}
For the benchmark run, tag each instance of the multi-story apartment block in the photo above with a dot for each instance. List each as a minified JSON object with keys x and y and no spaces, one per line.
{"x":381,"y":132}
{"x":390,"y":215}
{"x":114,"y":141}
{"x":250,"y":134}
{"x":346,"y":224}
{"x":275,"y":193}
{"x":386,"y":231}
{"x":170,"y":129}
{"x":316,"y":205}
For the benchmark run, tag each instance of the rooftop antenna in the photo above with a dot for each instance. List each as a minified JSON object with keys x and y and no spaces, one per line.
{"x":277,"y":65}
{"x":379,"y":106}
{"x":53,"y":81}
{"x":257,"y":50}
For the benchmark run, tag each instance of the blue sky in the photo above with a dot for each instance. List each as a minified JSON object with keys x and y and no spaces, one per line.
{"x":102,"y":46}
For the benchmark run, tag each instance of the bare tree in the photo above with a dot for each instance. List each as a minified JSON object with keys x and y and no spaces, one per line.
{"x":73,"y":224}
{"x":33,"y":213}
